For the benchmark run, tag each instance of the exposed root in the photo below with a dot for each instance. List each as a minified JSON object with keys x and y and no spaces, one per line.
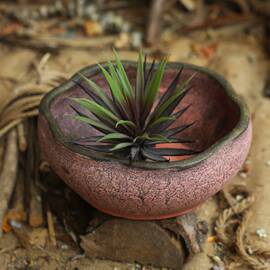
{"x":26,"y":97}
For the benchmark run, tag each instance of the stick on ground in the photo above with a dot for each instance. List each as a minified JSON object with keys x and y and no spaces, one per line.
{"x":155,"y":17}
{"x":8,"y":174}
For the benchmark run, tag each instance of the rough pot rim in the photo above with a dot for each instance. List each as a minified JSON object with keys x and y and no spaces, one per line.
{"x":91,"y":70}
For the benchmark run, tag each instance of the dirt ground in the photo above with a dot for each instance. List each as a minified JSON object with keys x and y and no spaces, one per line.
{"x":233,"y":53}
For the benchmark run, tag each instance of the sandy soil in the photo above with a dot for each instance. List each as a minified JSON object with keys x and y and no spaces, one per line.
{"x":240,"y":58}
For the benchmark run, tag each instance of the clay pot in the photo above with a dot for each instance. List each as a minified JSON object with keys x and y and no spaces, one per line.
{"x":150,"y":190}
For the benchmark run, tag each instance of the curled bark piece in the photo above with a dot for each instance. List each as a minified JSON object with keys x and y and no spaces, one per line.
{"x":8,"y":174}
{"x":128,"y":241}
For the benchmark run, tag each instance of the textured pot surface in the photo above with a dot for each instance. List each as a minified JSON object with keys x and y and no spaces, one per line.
{"x":151,"y":190}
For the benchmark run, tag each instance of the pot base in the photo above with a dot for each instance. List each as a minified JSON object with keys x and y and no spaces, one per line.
{"x":177,"y":214}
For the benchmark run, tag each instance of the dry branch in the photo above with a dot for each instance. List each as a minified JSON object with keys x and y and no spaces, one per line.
{"x":51,"y":229}
{"x":8,"y":174}
{"x":41,"y":42}
{"x":35,"y":217}
{"x":155,"y":16}
{"x":25,"y":98}
{"x":21,"y":137}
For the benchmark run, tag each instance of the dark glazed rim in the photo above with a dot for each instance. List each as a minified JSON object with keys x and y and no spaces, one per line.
{"x":240,"y":127}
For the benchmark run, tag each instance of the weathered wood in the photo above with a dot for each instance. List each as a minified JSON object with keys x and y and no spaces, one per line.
{"x":154,"y":23}
{"x":8,"y":174}
{"x":130,"y":241}
{"x":186,"y":226}
{"x":164,"y":243}
{"x":35,"y":216}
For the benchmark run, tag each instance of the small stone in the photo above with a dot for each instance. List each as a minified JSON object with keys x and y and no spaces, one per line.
{"x":137,"y":266}
{"x":267,"y":163}
{"x":64,"y":247}
{"x":216,"y":259}
{"x":43,"y":11}
{"x":243,"y":175}
{"x":261,"y":233}
{"x":239,"y":197}
{"x":250,"y":251}
{"x":15,"y":224}
{"x":217,"y":268}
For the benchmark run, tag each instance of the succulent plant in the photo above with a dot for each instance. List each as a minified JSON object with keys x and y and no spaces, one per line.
{"x":133,"y":120}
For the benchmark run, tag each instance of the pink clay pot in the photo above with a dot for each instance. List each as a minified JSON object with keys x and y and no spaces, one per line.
{"x":150,"y":190}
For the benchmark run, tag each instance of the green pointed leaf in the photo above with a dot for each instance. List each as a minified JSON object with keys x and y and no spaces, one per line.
{"x":124,"y":77}
{"x":100,"y":92}
{"x":160,"y":128}
{"x":154,"y":85}
{"x":171,"y":132}
{"x":93,"y":123}
{"x":161,"y":120}
{"x":120,"y":146}
{"x":153,"y":138}
{"x":181,"y":90}
{"x":157,"y":138}
{"x":114,"y":75}
{"x":115,"y":89}
{"x":125,"y":123}
{"x":114,"y":136}
{"x":96,"y":109}
{"x":152,"y":155}
{"x":139,"y":89}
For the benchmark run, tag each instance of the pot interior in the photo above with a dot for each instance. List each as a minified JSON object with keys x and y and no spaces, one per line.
{"x":214,"y":112}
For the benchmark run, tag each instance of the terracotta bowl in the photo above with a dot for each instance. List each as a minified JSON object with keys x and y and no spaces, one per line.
{"x":150,"y":190}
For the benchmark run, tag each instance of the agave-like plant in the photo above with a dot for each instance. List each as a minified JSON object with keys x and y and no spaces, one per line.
{"x":134,"y":120}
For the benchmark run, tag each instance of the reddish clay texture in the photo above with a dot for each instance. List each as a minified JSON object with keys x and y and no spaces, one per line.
{"x":138,"y":193}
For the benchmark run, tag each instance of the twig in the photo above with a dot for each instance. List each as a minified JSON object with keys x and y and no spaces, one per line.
{"x":8,"y":174}
{"x":35,"y":217}
{"x":9,"y":126}
{"x":21,"y":137}
{"x":41,"y":42}
{"x":218,"y":22}
{"x":17,"y":203}
{"x":51,"y":227}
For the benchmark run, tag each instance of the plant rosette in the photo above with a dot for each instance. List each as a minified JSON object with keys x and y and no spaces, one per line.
{"x":145,"y":140}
